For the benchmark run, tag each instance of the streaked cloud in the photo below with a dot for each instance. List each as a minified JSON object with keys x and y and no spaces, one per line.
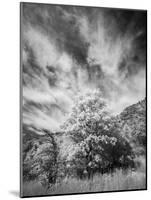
{"x":71,"y":50}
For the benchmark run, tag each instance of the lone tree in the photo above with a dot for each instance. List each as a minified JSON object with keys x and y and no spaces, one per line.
{"x":98,"y":142}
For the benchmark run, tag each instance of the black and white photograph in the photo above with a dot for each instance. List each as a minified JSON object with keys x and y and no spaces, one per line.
{"x":83,"y":99}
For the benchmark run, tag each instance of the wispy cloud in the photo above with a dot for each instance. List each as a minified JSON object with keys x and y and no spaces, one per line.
{"x":70,"y":50}
{"x":44,"y":49}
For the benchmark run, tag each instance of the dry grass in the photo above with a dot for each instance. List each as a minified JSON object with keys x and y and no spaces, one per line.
{"x":119,"y":180}
{"x":33,"y":188}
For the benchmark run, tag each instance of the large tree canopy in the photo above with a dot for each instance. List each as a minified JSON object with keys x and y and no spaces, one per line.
{"x":96,"y":136}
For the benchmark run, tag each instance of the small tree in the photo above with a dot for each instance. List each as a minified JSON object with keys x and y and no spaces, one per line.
{"x":41,"y":161}
{"x":50,"y":165}
{"x":94,"y":135}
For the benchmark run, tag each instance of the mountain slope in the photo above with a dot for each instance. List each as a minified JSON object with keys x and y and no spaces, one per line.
{"x":133,"y":124}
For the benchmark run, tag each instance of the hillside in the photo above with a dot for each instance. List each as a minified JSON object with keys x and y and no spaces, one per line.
{"x":133,"y":124}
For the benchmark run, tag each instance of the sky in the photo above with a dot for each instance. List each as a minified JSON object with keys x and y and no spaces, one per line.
{"x":69,"y":50}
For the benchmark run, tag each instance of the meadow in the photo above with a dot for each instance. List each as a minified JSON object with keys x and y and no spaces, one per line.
{"x":118,"y":180}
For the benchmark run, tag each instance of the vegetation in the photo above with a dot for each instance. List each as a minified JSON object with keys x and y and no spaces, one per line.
{"x":99,"y":143}
{"x":41,"y":160}
{"x":94,"y":151}
{"x":118,"y":180}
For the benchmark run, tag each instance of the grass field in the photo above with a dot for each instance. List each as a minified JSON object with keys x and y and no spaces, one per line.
{"x":119,"y":180}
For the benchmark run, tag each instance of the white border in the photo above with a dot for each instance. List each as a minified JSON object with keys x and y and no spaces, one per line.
{"x":9,"y":98}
